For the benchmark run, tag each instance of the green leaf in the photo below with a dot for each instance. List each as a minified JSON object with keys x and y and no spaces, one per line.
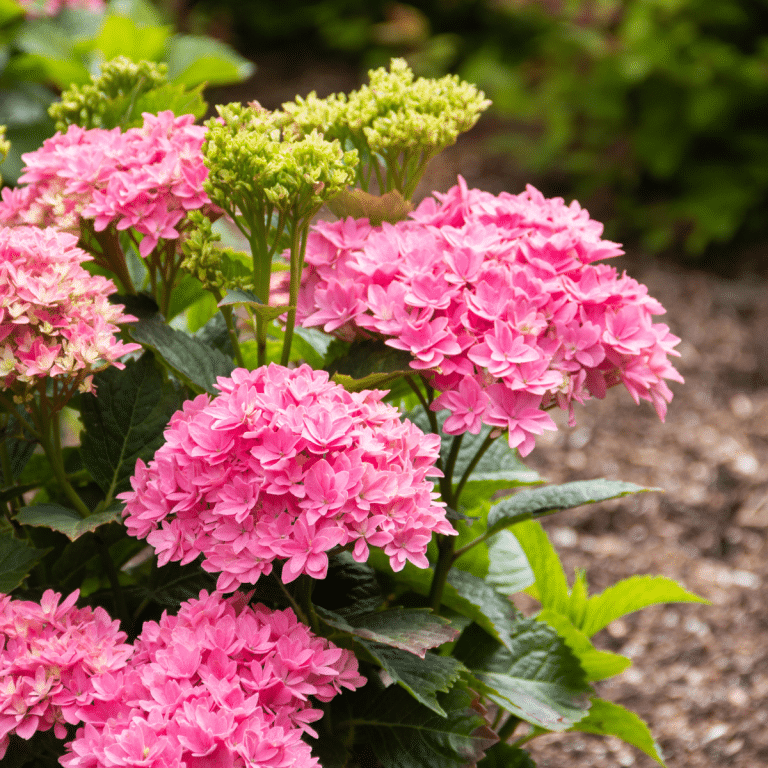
{"x":608,"y":719}
{"x":197,"y":364}
{"x":9,"y":11}
{"x":185,"y":294}
{"x":121,"y":36}
{"x":508,"y":568}
{"x":125,"y":421}
{"x":65,"y":521}
{"x":490,"y":610}
{"x":503,"y":755}
{"x":551,"y":587}
{"x":195,"y":59}
{"x":19,"y":448}
{"x":404,"y":734}
{"x":423,"y":677}
{"x":16,"y":560}
{"x":266,"y":312}
{"x":537,"y":678}
{"x":411,"y":629}
{"x":310,"y":345}
{"x":350,"y":588}
{"x":631,"y":595}
{"x":597,"y":665}
{"x":53,"y":49}
{"x":530,"y":503}
{"x":372,"y":381}
{"x":464,"y":593}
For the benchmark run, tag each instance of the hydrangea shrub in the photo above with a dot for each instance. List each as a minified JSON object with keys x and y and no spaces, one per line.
{"x":292,"y":474}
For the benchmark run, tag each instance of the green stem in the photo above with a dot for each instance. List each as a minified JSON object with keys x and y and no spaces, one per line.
{"x":445,"y":546}
{"x":298,"y":251}
{"x":227,"y":313}
{"x":472,"y":464}
{"x":446,"y":482}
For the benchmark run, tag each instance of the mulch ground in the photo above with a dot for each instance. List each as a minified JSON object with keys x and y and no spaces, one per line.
{"x":700,"y":672}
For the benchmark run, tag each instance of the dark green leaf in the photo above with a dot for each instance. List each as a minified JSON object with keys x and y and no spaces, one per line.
{"x":404,"y":734}
{"x":608,"y":719}
{"x":19,"y":447}
{"x":65,"y":521}
{"x":311,"y":345}
{"x":597,"y":665}
{"x":193,"y":361}
{"x":503,"y":755}
{"x":142,"y":305}
{"x":124,"y":421}
{"x":535,"y":502}
{"x":464,"y":593}
{"x":410,"y":629}
{"x":16,"y":560}
{"x":508,"y":568}
{"x":631,"y":595}
{"x":537,"y":677}
{"x":350,"y":589}
{"x":423,"y":677}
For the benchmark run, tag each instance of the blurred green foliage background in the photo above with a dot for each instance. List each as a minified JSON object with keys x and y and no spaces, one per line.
{"x":658,"y":108}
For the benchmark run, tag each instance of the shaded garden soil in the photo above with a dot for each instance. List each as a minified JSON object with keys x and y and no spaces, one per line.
{"x":700,"y":672}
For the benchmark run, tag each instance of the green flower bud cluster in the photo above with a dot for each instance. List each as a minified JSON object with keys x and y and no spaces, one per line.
{"x":259,"y":162}
{"x":396,"y":121}
{"x":119,"y":95}
{"x":219,"y":269}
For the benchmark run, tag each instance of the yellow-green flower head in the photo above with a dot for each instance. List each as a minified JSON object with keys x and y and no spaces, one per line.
{"x":258,"y":156}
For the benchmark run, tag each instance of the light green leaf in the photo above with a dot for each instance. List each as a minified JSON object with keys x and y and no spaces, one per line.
{"x":631,"y":595}
{"x":423,"y":678}
{"x":372,"y":381}
{"x":121,"y":36}
{"x":16,"y":561}
{"x":404,"y":734}
{"x":597,"y":665}
{"x":411,"y":629}
{"x":551,"y":587}
{"x":608,"y":719}
{"x":197,"y":364}
{"x":530,"y":503}
{"x":65,"y":521}
{"x":537,"y":677}
{"x":9,"y":11}
{"x":53,"y":49}
{"x":310,"y":345}
{"x":508,"y":570}
{"x":195,"y":59}
{"x":125,"y":421}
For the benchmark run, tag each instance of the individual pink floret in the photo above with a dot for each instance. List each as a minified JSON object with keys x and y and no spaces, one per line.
{"x":286,"y":465}
{"x":52,"y":656}
{"x":145,"y":179}
{"x":219,"y":684}
{"x":55,"y":318}
{"x":500,"y":303}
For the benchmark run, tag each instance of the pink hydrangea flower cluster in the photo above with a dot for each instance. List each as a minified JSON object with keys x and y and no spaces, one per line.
{"x":286,"y":465}
{"x":55,"y":318}
{"x":500,"y":304}
{"x":37,"y":8}
{"x":146,"y":179}
{"x":52,"y":659}
{"x":220,"y":685}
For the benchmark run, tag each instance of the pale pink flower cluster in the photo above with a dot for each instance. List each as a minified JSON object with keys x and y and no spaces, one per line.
{"x":499,"y":303}
{"x":220,"y":685}
{"x":37,"y":8}
{"x":55,"y":318}
{"x":146,"y":179}
{"x":52,"y":659}
{"x":286,"y":465}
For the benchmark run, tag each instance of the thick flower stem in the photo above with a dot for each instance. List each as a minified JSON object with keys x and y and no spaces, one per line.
{"x":298,"y":250}
{"x":445,"y":546}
